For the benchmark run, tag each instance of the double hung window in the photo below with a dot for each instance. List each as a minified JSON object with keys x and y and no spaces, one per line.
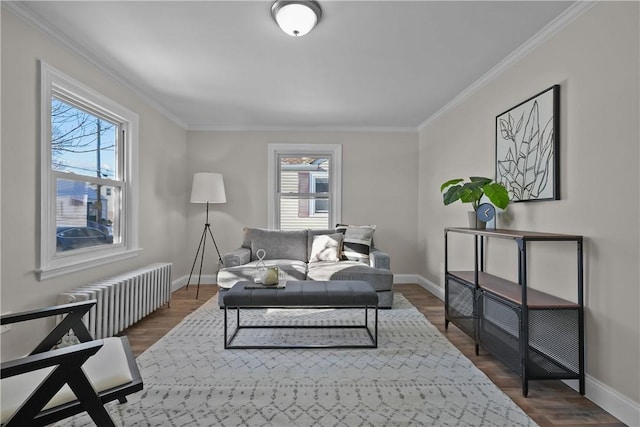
{"x":88,"y":181}
{"x":304,"y":186}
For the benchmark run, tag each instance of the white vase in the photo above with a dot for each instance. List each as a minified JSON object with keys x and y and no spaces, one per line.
{"x":270,"y":276}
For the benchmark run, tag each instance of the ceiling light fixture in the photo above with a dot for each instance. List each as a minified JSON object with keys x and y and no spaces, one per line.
{"x":296,"y":18}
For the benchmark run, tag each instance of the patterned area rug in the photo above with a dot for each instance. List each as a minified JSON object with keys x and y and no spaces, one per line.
{"x":415,"y":377}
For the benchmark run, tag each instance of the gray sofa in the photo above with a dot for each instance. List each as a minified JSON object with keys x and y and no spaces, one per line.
{"x":291,"y":251}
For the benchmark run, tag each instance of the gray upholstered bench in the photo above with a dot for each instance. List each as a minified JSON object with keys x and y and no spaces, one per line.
{"x":336,"y":294}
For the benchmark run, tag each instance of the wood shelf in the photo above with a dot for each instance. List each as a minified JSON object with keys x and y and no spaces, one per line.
{"x":515,"y":234}
{"x":512,"y":291}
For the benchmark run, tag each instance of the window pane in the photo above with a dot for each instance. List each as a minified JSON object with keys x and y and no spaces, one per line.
{"x":302,"y":177}
{"x":321,"y":206}
{"x":293,"y":216}
{"x":82,"y":143}
{"x":296,"y":171}
{"x":321,"y":184}
{"x":86,"y":215}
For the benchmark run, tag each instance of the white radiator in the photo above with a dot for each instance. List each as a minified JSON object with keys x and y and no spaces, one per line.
{"x":123,"y":299}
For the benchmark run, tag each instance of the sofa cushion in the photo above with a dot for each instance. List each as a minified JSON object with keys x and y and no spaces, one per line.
{"x":357,"y":242}
{"x":277,"y":244}
{"x":380,"y":279}
{"x":327,"y":247}
{"x":292,"y":270}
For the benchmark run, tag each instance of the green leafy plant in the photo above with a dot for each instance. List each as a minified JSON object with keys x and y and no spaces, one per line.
{"x":472,"y":191}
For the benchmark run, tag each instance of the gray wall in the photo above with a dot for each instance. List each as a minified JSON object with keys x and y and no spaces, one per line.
{"x":162,"y":173}
{"x":379,"y":173}
{"x":595,"y":60}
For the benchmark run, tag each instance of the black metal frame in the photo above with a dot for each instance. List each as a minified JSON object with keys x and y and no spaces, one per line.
{"x":523,"y":307}
{"x":229,"y":340}
{"x":68,"y":363}
{"x":555,"y":175}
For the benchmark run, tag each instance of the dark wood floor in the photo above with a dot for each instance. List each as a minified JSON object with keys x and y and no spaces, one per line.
{"x":550,"y":403}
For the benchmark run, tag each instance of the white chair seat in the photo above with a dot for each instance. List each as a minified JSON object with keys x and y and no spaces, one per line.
{"x":108,"y":368}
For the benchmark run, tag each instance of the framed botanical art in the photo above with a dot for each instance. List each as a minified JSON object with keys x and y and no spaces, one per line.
{"x":527,"y":148}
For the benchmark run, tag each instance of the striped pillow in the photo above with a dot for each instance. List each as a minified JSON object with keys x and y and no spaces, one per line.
{"x":357,"y":241}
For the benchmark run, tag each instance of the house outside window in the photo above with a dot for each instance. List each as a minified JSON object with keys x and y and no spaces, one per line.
{"x":304,"y":186}
{"x":88,"y":205}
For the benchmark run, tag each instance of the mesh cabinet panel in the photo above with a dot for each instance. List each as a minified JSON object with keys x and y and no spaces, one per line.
{"x":553,"y":337}
{"x":460,"y":309}
{"x":554,"y":343}
{"x":499,"y":329}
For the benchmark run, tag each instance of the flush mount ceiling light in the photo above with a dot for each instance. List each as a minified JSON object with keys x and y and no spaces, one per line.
{"x":296,"y":18}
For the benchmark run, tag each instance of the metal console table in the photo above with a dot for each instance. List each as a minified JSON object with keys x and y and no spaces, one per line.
{"x":538,"y":335}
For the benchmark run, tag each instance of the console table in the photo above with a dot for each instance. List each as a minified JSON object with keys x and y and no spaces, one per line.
{"x":538,"y":335}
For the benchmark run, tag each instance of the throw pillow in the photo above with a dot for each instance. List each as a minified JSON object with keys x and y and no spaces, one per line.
{"x":357,"y":241}
{"x":326,"y":247}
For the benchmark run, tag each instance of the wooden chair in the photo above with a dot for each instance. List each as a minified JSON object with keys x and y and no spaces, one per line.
{"x":52,"y":384}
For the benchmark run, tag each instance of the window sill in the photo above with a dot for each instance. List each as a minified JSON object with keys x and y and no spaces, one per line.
{"x":60,"y":270}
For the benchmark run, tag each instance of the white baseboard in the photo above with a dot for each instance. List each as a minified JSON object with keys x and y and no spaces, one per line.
{"x":416,"y":278}
{"x":610,"y":400}
{"x":599,"y":393}
{"x":205,"y":280}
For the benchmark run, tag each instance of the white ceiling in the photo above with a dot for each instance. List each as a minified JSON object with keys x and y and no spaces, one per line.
{"x":367,"y":65}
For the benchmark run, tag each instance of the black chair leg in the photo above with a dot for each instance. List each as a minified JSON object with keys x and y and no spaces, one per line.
{"x":90,"y":400}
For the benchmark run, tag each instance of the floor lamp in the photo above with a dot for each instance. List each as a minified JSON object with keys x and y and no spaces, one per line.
{"x":207,"y":188}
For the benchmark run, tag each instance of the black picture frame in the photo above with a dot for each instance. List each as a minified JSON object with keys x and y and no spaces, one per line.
{"x":527,"y":148}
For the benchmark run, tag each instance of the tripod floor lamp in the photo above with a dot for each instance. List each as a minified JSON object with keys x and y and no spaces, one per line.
{"x":207,"y":188}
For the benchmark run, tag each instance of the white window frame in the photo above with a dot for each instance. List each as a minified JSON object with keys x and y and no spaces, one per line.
{"x":52,"y":263}
{"x":332,"y":151}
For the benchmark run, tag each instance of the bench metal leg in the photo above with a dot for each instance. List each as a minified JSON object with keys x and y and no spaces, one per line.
{"x":228,"y":340}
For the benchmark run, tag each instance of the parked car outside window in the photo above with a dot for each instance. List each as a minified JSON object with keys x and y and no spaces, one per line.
{"x":69,"y":238}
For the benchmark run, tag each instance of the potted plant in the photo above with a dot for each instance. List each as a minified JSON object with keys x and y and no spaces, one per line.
{"x":471,"y":191}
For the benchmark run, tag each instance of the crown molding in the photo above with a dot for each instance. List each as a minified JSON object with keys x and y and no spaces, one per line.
{"x":552,"y":28}
{"x":373,"y":129}
{"x":22,"y":10}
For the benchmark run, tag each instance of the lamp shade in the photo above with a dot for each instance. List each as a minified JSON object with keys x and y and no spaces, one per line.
{"x":296,"y":18}
{"x":208,"y":187}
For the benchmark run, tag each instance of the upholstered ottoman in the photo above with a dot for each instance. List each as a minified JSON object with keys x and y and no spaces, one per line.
{"x":336,"y":294}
